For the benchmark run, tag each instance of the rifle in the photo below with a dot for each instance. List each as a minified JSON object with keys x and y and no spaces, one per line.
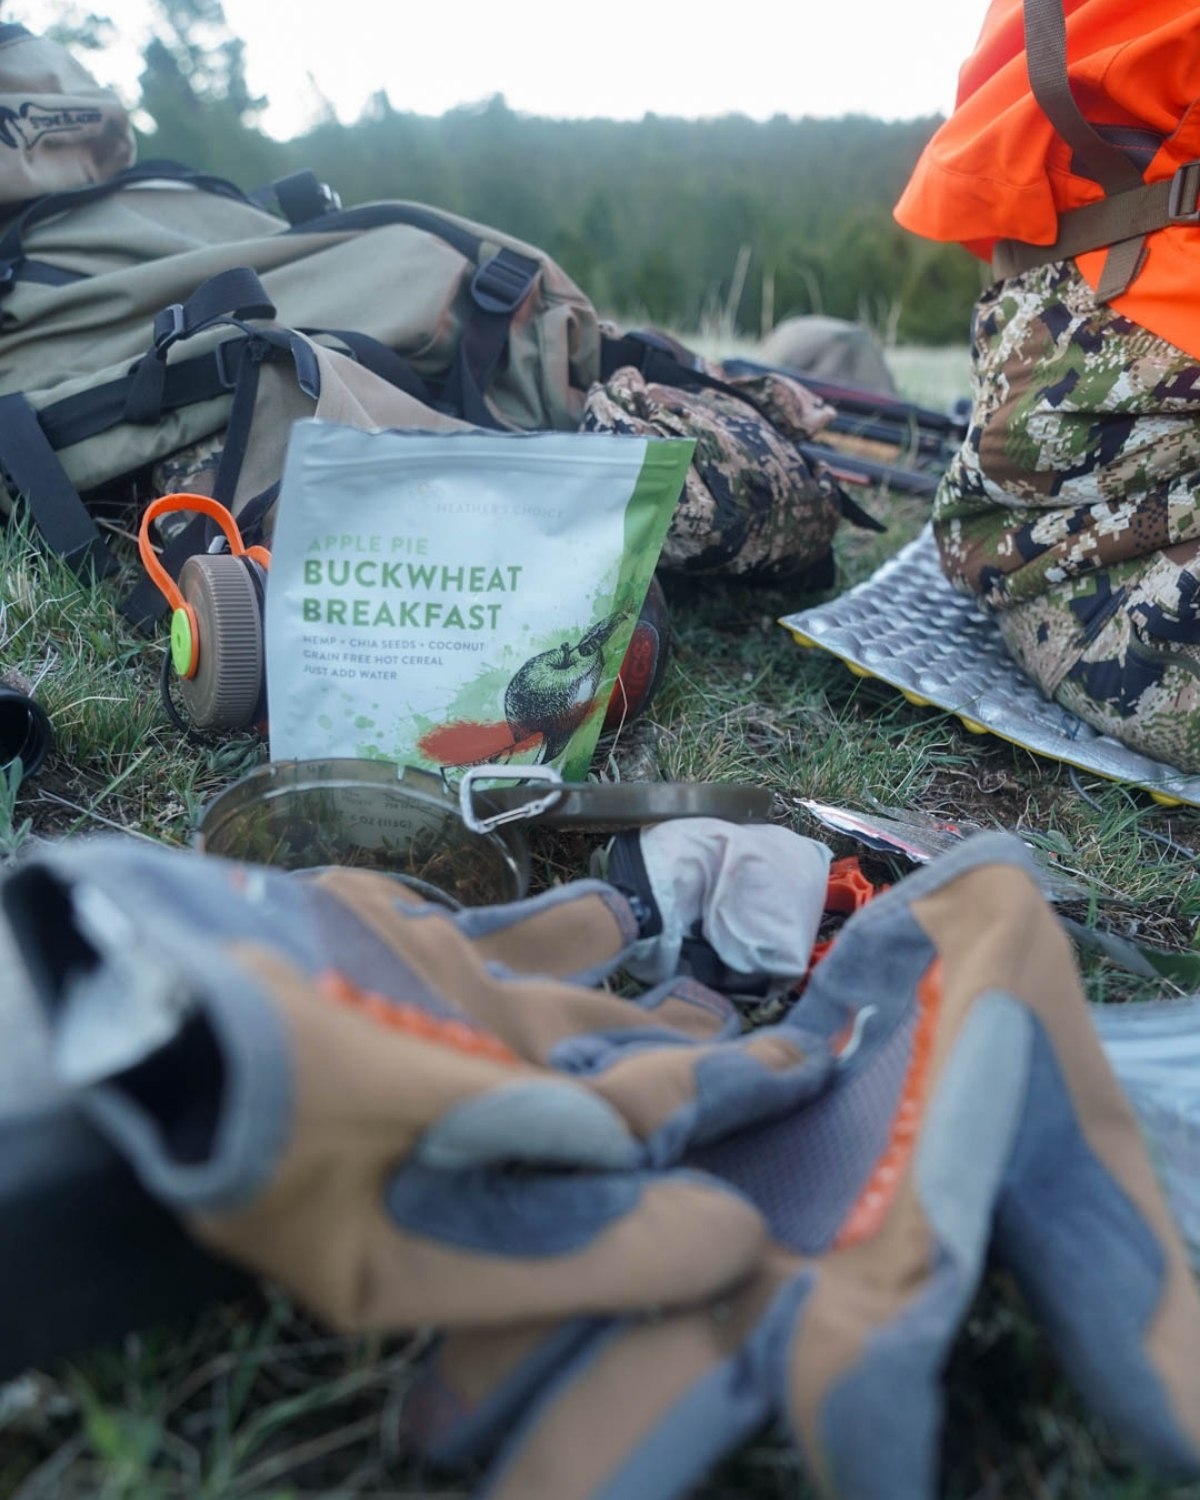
{"x":932,"y":436}
{"x":848,"y":468}
{"x":949,"y":427}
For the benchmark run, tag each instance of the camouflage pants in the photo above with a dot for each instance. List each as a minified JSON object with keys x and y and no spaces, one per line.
{"x":1073,"y":508}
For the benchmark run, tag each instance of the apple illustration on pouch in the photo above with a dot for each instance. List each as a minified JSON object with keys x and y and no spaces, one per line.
{"x":552,"y":693}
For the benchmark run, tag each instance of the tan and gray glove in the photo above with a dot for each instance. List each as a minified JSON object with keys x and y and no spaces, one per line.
{"x":972,"y":1109}
{"x":405,"y":1115}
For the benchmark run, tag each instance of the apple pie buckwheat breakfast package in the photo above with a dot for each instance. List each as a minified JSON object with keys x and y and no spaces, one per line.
{"x":452,"y":599}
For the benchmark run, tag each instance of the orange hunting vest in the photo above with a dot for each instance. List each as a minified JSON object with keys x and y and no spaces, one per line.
{"x":998,"y":171}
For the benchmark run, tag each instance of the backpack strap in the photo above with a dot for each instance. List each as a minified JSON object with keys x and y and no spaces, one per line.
{"x":13,"y":264}
{"x":236,"y":293}
{"x":380,"y":359}
{"x":301,"y":196}
{"x":32,"y":468}
{"x":29,"y":439}
{"x":1131,"y":207}
{"x":145,"y":605}
{"x":498,"y":288}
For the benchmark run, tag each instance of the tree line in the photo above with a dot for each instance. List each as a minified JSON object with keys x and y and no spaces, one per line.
{"x":727,"y":223}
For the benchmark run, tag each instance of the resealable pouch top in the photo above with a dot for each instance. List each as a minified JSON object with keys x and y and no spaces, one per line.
{"x":459,"y":598}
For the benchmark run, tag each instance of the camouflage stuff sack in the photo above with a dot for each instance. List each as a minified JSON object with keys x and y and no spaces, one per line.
{"x":752,"y":505}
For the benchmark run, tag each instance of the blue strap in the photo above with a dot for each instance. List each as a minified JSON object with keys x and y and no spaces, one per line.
{"x":34,"y":472}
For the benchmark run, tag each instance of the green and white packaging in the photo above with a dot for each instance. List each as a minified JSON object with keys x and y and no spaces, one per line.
{"x":461,"y":598}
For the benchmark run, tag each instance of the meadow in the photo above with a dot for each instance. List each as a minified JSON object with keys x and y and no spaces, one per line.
{"x":254,"y":1402}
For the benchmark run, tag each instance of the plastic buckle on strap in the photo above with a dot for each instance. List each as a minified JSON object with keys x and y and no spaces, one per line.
{"x":504,"y":282}
{"x":229,"y":354}
{"x":169,"y":325}
{"x":532,"y":809}
{"x":1185,"y":190}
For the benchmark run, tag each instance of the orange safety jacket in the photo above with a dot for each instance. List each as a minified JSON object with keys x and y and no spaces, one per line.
{"x":998,"y":170}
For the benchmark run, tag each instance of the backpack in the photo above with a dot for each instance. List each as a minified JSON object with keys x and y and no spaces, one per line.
{"x":1130,"y":208}
{"x":153,"y":314}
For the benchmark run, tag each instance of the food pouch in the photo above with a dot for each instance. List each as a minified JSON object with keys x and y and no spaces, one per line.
{"x":460,"y":598}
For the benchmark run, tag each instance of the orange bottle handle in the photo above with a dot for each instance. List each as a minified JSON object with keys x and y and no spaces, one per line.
{"x":205,"y":505}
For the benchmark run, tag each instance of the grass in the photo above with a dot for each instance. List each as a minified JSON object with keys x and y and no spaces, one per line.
{"x":253,"y":1402}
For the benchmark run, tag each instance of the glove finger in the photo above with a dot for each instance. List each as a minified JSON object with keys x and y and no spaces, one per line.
{"x":430,"y":957}
{"x":541,"y":1121}
{"x":274,"y":1119}
{"x":485,"y":1248}
{"x":647,"y":1406}
{"x":688,"y":1006}
{"x":1080,"y":1220}
{"x":861,"y":1380}
{"x":578,"y":932}
{"x":676,"y":1097}
{"x":475,"y":1383}
{"x":901,"y":1164}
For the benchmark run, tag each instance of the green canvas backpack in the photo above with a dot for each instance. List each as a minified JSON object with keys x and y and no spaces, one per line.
{"x":152,"y":310}
{"x":139,"y":304}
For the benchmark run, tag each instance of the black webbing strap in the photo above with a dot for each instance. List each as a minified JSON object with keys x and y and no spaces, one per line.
{"x":659,"y":365}
{"x":12,"y":246}
{"x":264,"y":344}
{"x":254,"y":512}
{"x":203,"y":377}
{"x":303,"y":197}
{"x":236,"y":293}
{"x":73,"y":419}
{"x":145,"y":605}
{"x":1130,"y":209}
{"x":241,"y":419}
{"x":498,"y":289}
{"x":381,"y":360}
{"x":394,"y":215}
{"x":32,"y":469}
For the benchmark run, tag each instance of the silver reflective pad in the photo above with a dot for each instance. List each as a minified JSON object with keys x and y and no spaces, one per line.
{"x":906,"y":626}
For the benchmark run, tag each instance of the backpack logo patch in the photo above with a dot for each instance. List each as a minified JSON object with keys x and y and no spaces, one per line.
{"x":25,"y":127}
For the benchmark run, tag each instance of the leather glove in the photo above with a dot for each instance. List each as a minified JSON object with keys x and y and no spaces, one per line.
{"x":971,"y":1102}
{"x":404,"y":1115}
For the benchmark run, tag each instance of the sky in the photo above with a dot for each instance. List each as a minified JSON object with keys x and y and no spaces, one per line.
{"x":694,"y":58}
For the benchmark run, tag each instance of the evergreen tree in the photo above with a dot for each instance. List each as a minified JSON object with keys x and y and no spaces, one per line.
{"x":193,"y":87}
